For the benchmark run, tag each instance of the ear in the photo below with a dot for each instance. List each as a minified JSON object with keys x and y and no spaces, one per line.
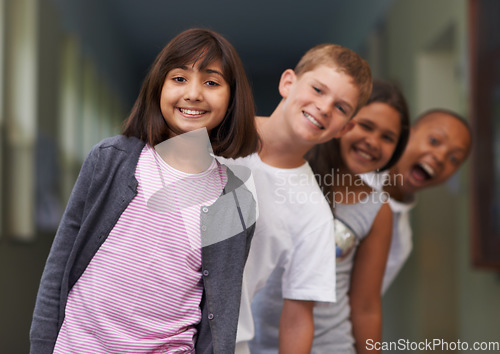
{"x":349,"y":125}
{"x":287,"y":79}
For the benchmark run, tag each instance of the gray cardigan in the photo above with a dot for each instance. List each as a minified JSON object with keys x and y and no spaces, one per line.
{"x":103,"y":190}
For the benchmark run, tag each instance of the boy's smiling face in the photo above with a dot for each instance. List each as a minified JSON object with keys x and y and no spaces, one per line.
{"x":437,"y":147}
{"x":317,"y":104}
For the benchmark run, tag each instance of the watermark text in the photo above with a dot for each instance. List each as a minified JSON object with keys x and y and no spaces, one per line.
{"x":435,"y":344}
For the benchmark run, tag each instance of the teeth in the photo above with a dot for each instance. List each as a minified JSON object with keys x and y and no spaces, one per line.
{"x":427,"y":168}
{"x":312,"y":120}
{"x":189,"y":111}
{"x":365,"y":155}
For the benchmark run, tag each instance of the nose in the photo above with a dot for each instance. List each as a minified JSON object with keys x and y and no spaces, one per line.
{"x":193,"y":91}
{"x":439,"y":155}
{"x":373,"y":141}
{"x":324,"y":107}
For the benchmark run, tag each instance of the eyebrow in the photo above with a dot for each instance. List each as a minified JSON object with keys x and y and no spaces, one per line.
{"x":206,"y":70}
{"x":341,"y":101}
{"x":443,"y":132}
{"x":391,"y":133}
{"x":385,"y":131}
{"x":462,"y":149}
{"x":322,"y":86}
{"x":212,"y":71}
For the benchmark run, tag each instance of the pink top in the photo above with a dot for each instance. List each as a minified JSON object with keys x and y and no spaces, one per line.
{"x":142,"y":290}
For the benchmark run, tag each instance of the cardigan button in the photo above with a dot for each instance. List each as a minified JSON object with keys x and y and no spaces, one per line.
{"x":205,"y":209}
{"x":205,"y":273}
{"x":204,"y":228}
{"x":210,"y":316}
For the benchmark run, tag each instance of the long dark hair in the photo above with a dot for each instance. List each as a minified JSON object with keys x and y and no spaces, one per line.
{"x":325,"y":158}
{"x":236,"y":136}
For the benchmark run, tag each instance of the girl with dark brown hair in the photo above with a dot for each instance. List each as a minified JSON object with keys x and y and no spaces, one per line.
{"x":149,"y":255}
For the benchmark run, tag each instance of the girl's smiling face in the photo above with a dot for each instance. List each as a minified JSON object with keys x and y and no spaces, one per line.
{"x":372,"y":141}
{"x":194,"y":98}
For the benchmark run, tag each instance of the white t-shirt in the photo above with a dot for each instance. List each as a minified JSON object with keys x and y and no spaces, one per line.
{"x":401,"y":242}
{"x":294,"y":231}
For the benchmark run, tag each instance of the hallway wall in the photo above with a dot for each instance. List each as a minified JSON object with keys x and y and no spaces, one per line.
{"x":55,"y":103}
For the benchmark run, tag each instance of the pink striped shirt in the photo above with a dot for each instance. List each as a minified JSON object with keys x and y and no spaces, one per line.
{"x":142,"y":290}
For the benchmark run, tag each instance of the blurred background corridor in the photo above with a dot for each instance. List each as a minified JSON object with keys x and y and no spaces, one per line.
{"x":70,"y":71}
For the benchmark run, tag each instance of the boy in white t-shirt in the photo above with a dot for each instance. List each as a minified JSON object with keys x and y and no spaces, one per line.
{"x":295,"y":225}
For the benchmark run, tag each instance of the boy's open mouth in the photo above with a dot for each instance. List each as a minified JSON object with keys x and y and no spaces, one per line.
{"x":423,"y":172}
{"x":312,"y":120}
